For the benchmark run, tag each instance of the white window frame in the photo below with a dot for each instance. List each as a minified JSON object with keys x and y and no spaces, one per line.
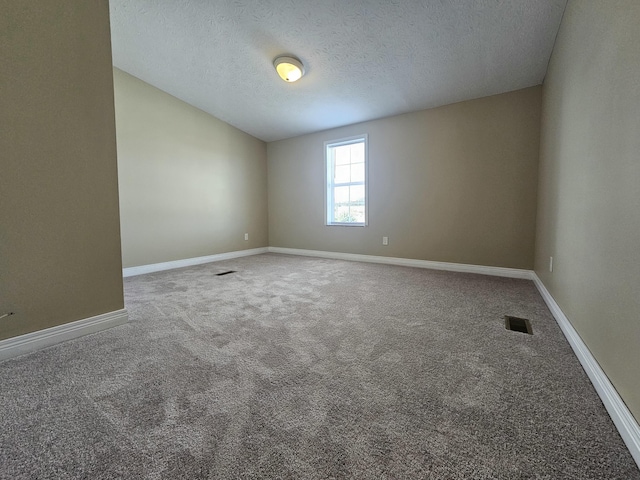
{"x":329,"y":185}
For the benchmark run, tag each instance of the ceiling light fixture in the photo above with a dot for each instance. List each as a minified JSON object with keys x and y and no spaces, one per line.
{"x":289,"y":68}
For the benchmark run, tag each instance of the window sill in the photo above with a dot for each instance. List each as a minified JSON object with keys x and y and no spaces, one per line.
{"x":345,"y":224}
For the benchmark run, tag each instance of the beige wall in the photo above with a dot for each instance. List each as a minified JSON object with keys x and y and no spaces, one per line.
{"x":190,"y":184}
{"x":454,"y":184}
{"x":59,"y":227}
{"x":589,"y":200}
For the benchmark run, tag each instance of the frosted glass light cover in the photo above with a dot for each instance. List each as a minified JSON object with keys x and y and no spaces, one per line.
{"x":290,"y":69}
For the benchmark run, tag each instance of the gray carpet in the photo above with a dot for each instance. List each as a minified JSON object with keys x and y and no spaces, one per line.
{"x":302,"y":368}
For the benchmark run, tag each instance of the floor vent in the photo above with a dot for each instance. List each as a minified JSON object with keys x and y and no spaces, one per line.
{"x":225,"y":273}
{"x":518,"y":324}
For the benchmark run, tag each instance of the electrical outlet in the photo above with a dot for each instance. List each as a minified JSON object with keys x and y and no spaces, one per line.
{"x":246,"y":236}
{"x":385,"y":240}
{"x":551,"y":264}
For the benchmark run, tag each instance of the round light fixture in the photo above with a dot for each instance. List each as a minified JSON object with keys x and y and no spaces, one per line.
{"x":289,"y":68}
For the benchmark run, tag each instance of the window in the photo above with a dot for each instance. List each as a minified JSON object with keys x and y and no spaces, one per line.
{"x":346,"y":181}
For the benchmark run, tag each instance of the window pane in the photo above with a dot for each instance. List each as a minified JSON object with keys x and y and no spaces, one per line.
{"x":357,"y":213}
{"x":343,"y":154}
{"x":346,"y":166}
{"x":341,"y":195}
{"x":342,"y":215}
{"x":357,"y":153}
{"x":357,"y":172}
{"x":342,"y":174}
{"x":356,"y":196}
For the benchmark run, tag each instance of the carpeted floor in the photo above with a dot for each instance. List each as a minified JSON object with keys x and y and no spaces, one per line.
{"x":303,"y":368}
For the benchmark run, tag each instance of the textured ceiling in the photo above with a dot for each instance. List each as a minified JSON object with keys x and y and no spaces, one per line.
{"x":365,"y":59}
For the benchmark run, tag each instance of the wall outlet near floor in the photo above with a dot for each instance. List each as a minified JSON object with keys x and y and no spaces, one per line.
{"x":385,"y":240}
{"x":551,"y":264}
{"x":246,"y":236}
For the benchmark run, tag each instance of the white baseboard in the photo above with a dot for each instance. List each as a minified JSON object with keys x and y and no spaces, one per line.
{"x":189,"y":262}
{"x":620,"y":414}
{"x":618,"y":411}
{"x":12,"y":347}
{"x":622,"y":418}
{"x":409,"y":262}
